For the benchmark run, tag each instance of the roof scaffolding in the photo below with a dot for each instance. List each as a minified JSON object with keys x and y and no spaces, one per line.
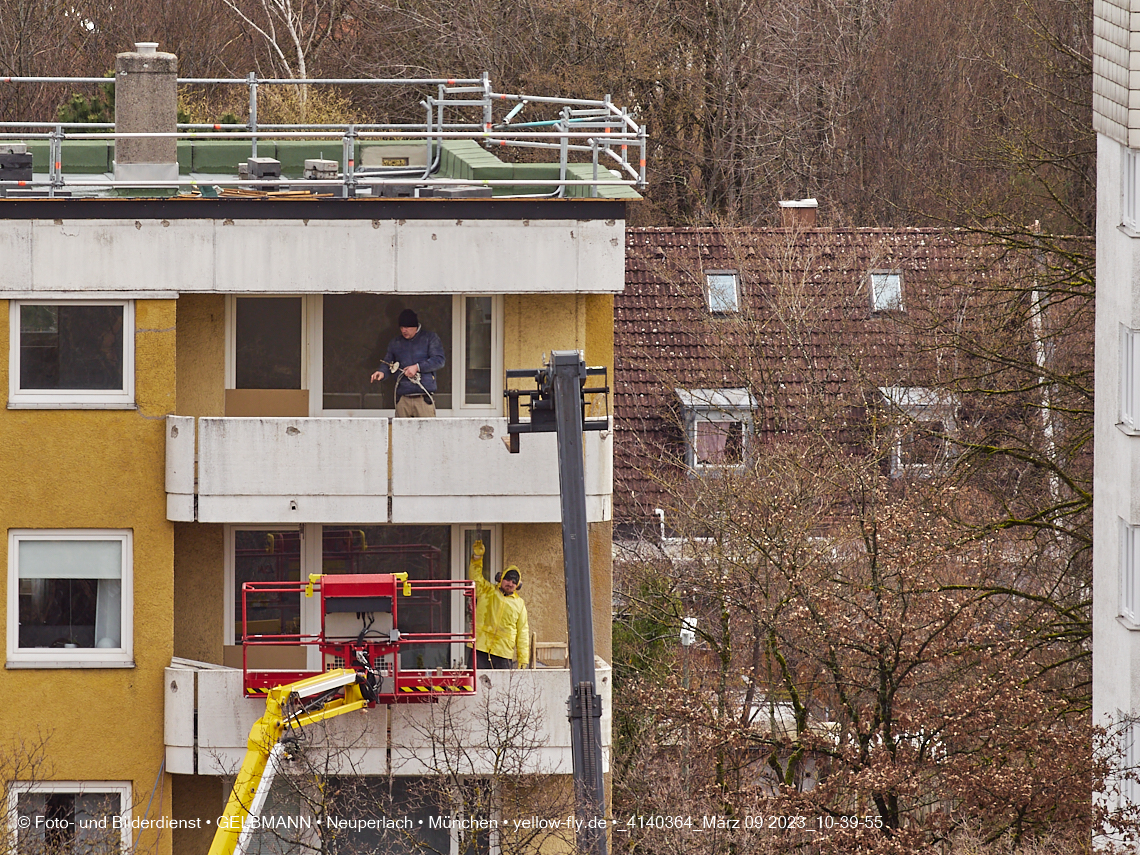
{"x":594,"y":148}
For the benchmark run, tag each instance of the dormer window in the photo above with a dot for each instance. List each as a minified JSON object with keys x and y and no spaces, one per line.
{"x":722,"y":287}
{"x":886,"y":291}
{"x":718,"y":427}
{"x":925,"y":421}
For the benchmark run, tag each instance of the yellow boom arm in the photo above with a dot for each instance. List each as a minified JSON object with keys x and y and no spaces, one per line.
{"x":265,"y":750}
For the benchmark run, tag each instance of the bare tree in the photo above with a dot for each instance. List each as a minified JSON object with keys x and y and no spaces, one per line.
{"x":290,"y":34}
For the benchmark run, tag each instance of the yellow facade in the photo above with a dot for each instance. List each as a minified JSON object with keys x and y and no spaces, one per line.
{"x":94,"y":469}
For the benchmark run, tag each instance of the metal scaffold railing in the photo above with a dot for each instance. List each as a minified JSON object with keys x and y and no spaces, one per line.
{"x":596,"y":134}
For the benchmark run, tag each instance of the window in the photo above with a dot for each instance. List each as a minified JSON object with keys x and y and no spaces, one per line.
{"x":886,"y":290}
{"x":268,"y":343}
{"x":72,"y":595}
{"x":722,"y":288}
{"x":417,"y":800}
{"x":71,"y":354}
{"x":292,"y":553}
{"x":718,"y":425}
{"x":1128,"y":757}
{"x":925,"y":418}
{"x":1130,"y":574}
{"x":71,"y":817}
{"x":356,"y":330}
{"x":1129,"y":380}
{"x":269,"y":355}
{"x":1131,"y":190}
{"x":267,"y":555}
{"x":478,"y":347}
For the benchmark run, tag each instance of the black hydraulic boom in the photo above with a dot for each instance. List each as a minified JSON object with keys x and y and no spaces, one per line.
{"x":558,"y":404}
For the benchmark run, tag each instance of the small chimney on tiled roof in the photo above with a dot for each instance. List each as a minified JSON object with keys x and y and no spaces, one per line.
{"x":798,"y":213}
{"x":146,"y":101}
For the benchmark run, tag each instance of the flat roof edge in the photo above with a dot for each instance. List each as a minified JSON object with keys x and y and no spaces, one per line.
{"x":319,"y":209}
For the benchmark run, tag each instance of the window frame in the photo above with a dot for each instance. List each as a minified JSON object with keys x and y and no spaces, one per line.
{"x":71,"y":399}
{"x":231,"y":335}
{"x":716,"y":405}
{"x":1128,"y":792}
{"x":454,"y":341}
{"x":122,"y":789}
{"x":1129,"y":392}
{"x":78,"y":657}
{"x":1128,"y":587}
{"x":1130,"y":190}
{"x":876,"y":308}
{"x":723,"y":310}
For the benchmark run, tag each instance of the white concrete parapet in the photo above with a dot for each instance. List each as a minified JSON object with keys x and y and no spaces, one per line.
{"x":329,"y":470}
{"x":292,"y":470}
{"x":527,"y":708}
{"x":445,"y":470}
{"x":265,"y":256}
{"x":180,"y":468}
{"x":516,"y":723}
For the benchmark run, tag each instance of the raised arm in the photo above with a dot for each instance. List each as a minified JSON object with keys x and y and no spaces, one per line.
{"x":475,"y":570}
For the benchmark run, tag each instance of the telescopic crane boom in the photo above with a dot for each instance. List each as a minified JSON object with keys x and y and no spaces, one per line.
{"x":287,"y":708}
{"x":558,"y":404}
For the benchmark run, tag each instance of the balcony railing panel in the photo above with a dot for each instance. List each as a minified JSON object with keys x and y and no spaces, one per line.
{"x":525,"y":711}
{"x":336,"y":470}
{"x":445,"y":470}
{"x":180,"y":468}
{"x":292,"y":469}
{"x":526,"y":707}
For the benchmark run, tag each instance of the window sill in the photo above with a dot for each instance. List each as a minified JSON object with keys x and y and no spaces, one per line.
{"x":72,"y":405}
{"x":708,"y":471}
{"x":1127,"y":430}
{"x":29,"y":664}
{"x":1128,"y":623}
{"x":1129,"y":230}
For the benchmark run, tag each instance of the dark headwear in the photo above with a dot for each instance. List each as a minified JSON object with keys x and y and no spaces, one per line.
{"x":512,"y":574}
{"x":408,"y":318}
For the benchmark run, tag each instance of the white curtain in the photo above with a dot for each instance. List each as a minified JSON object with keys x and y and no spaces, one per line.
{"x":109,"y":614}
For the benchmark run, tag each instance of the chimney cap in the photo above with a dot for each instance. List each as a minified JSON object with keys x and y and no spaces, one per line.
{"x":799,"y":203}
{"x":146,"y":47}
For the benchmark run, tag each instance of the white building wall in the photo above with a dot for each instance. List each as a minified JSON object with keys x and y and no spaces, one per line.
{"x":1116,"y":660}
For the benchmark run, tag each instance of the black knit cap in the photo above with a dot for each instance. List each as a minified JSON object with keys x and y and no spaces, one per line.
{"x":408,"y":318}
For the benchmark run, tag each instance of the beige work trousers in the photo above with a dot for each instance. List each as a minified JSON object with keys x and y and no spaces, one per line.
{"x":414,"y":407}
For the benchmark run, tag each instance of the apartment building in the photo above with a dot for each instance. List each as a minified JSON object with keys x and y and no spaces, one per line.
{"x":190,"y":408}
{"x":1116,"y":561}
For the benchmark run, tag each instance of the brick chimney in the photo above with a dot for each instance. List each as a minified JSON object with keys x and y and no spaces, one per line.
{"x":798,"y":214}
{"x":146,"y":101}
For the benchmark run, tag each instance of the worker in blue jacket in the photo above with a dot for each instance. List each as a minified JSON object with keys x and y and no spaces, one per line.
{"x":416,"y":354}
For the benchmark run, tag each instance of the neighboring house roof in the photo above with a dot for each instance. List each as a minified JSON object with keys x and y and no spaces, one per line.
{"x":806,"y":335}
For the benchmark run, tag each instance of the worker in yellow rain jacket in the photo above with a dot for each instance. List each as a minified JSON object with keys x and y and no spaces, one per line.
{"x":502,"y":631}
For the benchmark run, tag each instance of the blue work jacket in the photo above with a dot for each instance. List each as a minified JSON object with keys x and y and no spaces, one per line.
{"x":423,"y":348}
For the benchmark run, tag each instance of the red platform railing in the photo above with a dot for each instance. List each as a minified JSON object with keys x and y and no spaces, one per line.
{"x":362,"y":621}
